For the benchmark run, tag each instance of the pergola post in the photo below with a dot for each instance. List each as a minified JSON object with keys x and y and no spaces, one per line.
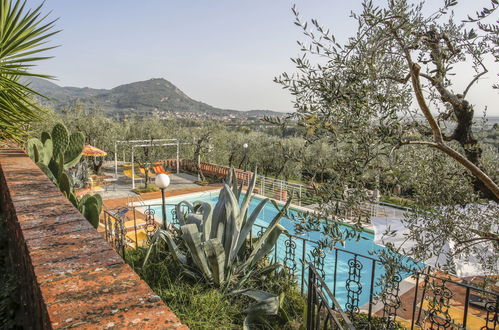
{"x":133,"y":171}
{"x":115,"y":160}
{"x":178,"y":160}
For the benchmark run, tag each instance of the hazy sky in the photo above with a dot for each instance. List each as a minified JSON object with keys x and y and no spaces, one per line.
{"x":222,"y":52}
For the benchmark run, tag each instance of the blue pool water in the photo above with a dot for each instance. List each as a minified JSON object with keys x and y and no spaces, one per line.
{"x":363,"y":246}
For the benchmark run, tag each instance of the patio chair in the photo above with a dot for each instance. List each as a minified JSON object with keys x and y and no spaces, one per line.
{"x":141,"y":238}
{"x":160,"y":170}
{"x":149,"y":172}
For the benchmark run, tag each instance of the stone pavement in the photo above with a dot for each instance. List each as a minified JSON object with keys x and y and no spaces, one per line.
{"x":122,"y":188}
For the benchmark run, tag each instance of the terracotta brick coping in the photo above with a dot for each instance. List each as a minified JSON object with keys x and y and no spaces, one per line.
{"x":69,"y":275}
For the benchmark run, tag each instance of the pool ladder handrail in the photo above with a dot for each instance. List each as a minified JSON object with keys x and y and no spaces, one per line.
{"x":134,"y":198}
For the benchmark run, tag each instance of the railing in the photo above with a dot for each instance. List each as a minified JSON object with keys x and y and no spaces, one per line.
{"x":344,"y":275}
{"x":303,"y":195}
{"x":321,"y":313}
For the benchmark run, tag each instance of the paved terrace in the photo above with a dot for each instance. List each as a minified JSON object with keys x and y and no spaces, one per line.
{"x":69,"y":276}
{"x":122,"y":187}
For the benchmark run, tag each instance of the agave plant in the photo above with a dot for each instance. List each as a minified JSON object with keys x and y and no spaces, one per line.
{"x":214,"y":238}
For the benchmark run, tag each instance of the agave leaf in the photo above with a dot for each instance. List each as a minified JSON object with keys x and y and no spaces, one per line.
{"x":229,"y":176}
{"x":231,"y":232}
{"x":180,"y":213}
{"x":262,"y":242}
{"x":207,"y":219}
{"x":248,"y":226}
{"x":247,"y":198}
{"x":219,"y":215}
{"x":166,"y":237}
{"x":216,"y":260}
{"x":194,"y":218}
{"x":265,"y":244}
{"x":235,"y":182}
{"x":266,"y":304}
{"x":192,"y":239}
{"x":232,"y":201}
{"x":179,"y":256}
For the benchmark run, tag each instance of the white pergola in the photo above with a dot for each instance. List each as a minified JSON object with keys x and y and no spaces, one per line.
{"x":145,"y":144}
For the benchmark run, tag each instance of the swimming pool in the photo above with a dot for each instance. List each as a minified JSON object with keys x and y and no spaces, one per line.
{"x":341,"y":269}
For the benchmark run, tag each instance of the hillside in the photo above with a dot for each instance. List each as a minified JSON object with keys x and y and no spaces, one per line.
{"x":154,"y":96}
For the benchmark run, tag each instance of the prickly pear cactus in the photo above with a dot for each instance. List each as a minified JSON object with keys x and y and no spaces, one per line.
{"x":54,"y":154}
{"x":74,"y":200}
{"x":73,"y":151}
{"x":60,"y":139}
{"x":45,"y":136}
{"x":48,"y":149}
{"x":65,"y":185}
{"x":48,"y":172}
{"x":91,"y":213}
{"x":32,"y":146}
{"x":91,"y":208}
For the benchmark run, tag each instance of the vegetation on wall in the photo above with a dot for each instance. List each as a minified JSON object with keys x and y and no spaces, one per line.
{"x":55,"y":153}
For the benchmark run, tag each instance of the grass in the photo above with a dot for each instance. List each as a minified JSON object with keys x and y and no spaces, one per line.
{"x":141,"y":190}
{"x":201,"y":306}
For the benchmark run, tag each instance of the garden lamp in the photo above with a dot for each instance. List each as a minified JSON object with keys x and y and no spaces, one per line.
{"x":162,"y":181}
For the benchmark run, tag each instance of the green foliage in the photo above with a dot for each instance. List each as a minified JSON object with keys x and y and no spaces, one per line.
{"x":213,"y":242}
{"x":60,"y":136}
{"x":64,"y":184}
{"x":72,"y":154}
{"x":45,"y":136}
{"x":141,"y":190}
{"x":215,"y":238}
{"x":59,"y":152}
{"x":23,"y":36}
{"x":91,"y":211}
{"x":200,"y":306}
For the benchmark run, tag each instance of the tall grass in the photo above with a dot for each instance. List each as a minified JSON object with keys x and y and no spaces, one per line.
{"x":201,"y":306}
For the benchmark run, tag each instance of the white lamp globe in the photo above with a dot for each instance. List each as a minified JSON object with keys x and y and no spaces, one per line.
{"x":245,"y":145}
{"x":162,"y":181}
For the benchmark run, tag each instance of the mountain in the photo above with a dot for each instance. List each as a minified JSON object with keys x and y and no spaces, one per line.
{"x":154,"y":96}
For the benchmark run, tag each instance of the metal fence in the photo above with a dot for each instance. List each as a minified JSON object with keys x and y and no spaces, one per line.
{"x":436,"y":302}
{"x":281,"y":190}
{"x":323,"y":310}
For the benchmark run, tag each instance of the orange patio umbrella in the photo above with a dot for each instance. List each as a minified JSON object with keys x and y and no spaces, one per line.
{"x":93,"y":151}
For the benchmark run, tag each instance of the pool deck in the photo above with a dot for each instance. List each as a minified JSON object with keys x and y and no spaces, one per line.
{"x":122,"y":201}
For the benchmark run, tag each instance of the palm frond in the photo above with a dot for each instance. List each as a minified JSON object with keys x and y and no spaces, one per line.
{"x":24,"y":34}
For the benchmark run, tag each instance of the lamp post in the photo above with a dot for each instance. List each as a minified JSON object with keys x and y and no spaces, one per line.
{"x":162,"y":181}
{"x":245,"y":146}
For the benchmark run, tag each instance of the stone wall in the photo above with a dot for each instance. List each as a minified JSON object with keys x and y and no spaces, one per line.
{"x":69,"y":275}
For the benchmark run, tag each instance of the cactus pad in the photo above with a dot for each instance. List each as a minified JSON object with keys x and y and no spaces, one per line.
{"x":73,"y":151}
{"x":30,"y":147}
{"x":60,"y":139}
{"x":45,"y":136}
{"x":48,"y":149}
{"x":65,"y":184}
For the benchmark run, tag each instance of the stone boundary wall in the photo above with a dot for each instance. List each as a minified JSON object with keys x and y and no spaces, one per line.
{"x":69,"y":275}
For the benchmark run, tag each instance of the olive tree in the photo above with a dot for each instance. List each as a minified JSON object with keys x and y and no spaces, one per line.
{"x":392,"y":86}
